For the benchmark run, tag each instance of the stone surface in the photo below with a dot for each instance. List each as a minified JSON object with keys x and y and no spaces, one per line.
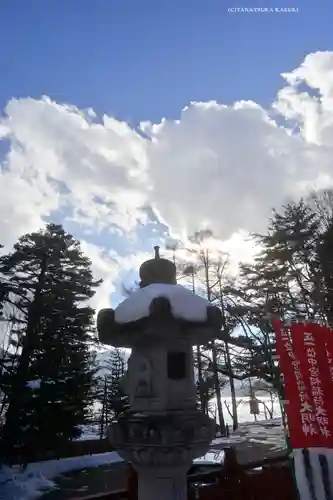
{"x":157,"y":270}
{"x":164,"y":442}
{"x":162,"y":449}
{"x":160,"y":322}
{"x":163,"y":432}
{"x":148,"y":381}
{"x":153,"y":485}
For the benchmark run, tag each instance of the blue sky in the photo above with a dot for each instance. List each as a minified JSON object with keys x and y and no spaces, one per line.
{"x":143,"y":60}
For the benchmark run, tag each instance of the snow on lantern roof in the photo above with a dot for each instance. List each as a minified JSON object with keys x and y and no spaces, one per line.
{"x":160,"y":308}
{"x":184,"y":304}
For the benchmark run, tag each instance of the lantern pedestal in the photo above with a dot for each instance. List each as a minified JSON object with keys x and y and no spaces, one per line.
{"x":162,"y":485}
{"x":161,"y":449}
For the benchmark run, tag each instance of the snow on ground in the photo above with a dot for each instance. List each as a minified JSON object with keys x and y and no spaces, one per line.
{"x":232,"y":439}
{"x":269,"y":432}
{"x":184,"y":304}
{"x":89,"y":432}
{"x":266,"y":432}
{"x":15,"y":485}
{"x":211,"y":458}
{"x":34,"y":384}
{"x":28,"y":485}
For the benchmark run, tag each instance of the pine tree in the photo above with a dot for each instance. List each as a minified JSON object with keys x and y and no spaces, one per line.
{"x":48,"y":394}
{"x":286,"y":279}
{"x":325,"y":271}
{"x":110,"y":394}
{"x":116,"y":399}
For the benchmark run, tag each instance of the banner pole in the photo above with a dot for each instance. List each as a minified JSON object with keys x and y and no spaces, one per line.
{"x":277,"y":379}
{"x":281,"y":396}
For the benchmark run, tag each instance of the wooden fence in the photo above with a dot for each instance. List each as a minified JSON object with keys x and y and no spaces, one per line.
{"x":269,"y":479}
{"x":71,"y":449}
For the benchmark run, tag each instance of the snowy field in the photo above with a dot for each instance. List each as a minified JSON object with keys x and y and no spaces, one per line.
{"x":39,"y":477}
{"x":269,"y":432}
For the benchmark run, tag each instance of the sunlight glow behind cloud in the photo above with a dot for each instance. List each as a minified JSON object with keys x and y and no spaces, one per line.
{"x":224,"y":166}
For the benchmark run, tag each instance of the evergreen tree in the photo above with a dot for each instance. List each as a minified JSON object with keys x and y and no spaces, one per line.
{"x":280,"y":282}
{"x":283,"y":276}
{"x":48,"y":394}
{"x":116,"y":400}
{"x":291,"y":277}
{"x":325,"y":271}
{"x":110,"y":393}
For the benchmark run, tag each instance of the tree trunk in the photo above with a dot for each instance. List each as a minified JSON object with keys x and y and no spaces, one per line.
{"x":16,"y":401}
{"x":218,"y":390}
{"x":199,"y":362}
{"x":228,"y":359}
{"x":214,"y":354}
{"x":103,"y":418}
{"x":232,"y":390}
{"x":200,"y":381}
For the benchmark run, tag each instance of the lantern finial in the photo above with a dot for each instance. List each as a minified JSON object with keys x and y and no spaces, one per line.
{"x":157,"y":270}
{"x":157,"y":252}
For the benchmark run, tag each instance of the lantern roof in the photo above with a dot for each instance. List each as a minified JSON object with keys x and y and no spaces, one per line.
{"x":157,"y":270}
{"x":183,"y":303}
{"x":160,"y":309}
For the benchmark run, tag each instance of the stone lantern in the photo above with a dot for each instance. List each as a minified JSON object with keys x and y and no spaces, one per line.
{"x":163,"y":431}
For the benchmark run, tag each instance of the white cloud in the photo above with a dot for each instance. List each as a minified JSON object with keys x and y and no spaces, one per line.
{"x":227,"y":166}
{"x":108,"y":265}
{"x":314,"y":114}
{"x":216,"y":165}
{"x":58,"y":157}
{"x":105,"y":267}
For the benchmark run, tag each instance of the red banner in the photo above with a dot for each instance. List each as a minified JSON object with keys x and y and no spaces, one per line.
{"x":297,"y":402}
{"x":305,"y":356}
{"x":329,"y":351}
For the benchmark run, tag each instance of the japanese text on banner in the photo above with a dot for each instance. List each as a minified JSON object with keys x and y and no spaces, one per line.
{"x":302,"y":425}
{"x":310,"y":349}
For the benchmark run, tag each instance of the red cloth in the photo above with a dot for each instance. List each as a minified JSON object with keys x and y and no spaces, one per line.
{"x":305,"y":354}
